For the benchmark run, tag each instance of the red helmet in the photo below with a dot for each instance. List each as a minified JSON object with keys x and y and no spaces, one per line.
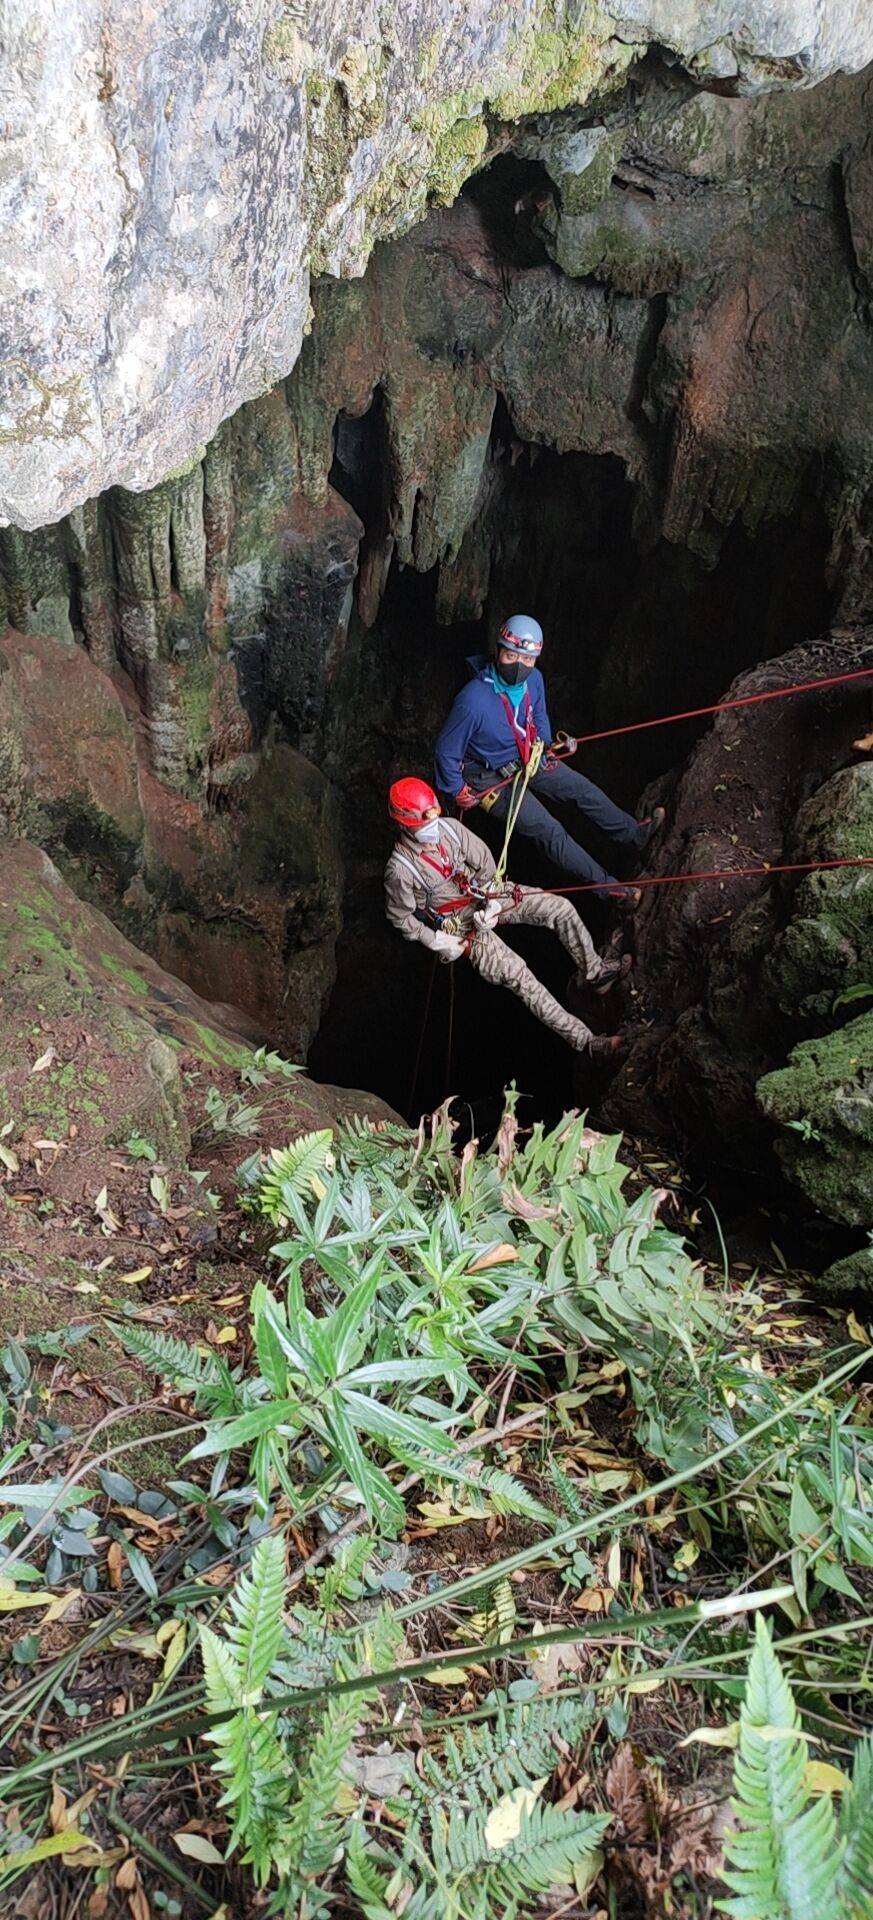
{"x":409,"y":801}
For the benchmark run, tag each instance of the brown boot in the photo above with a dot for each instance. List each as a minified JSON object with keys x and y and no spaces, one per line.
{"x":613,"y":971}
{"x":607,"y":1049}
{"x":627,"y":900}
{"x":653,"y":823}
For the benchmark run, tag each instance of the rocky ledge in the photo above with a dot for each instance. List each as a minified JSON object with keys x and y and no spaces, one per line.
{"x":171,"y":177}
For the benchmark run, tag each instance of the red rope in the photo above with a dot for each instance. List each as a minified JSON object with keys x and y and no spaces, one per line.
{"x":720,"y":873}
{"x":696,"y":713}
{"x":724,"y":706}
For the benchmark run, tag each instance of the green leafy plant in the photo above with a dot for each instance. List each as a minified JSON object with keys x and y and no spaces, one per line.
{"x":262,"y":1064}
{"x":861,"y":990}
{"x":791,"y":1858}
{"x":139,"y":1148}
{"x":228,"y":1118}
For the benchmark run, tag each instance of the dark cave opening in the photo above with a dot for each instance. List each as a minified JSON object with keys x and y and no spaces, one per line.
{"x":633,"y":630}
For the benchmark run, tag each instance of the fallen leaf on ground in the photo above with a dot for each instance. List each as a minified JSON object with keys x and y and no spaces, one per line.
{"x":195,"y":1846}
{"x":504,"y":1821}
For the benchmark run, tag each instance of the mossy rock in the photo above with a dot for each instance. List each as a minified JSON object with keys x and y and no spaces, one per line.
{"x":828,"y":945}
{"x":822,"y":1099}
{"x":90,"y":1029}
{"x":851,"y":1275}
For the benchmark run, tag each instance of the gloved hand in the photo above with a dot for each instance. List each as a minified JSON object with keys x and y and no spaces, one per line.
{"x":466,"y":799}
{"x":487,"y":917}
{"x":448,"y":946}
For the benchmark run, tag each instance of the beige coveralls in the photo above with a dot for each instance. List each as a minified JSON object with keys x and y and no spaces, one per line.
{"x":413,"y":887}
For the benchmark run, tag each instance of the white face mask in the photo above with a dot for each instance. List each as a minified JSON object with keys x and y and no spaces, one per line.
{"x":430,"y":832}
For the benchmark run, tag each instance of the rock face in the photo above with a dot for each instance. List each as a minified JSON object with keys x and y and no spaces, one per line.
{"x":240,"y":897}
{"x":171,"y":179}
{"x":622,"y":380}
{"x":748,"y":988}
{"x":96,"y":1035}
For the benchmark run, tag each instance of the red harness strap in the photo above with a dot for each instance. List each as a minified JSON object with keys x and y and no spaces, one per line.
{"x":447,"y":870}
{"x":526,"y":735}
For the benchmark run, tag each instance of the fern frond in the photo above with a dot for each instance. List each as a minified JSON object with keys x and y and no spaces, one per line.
{"x":507,"y":1495}
{"x":483,"y":1762}
{"x":257,"y":1629}
{"x":496,"y":1621}
{"x":856,"y":1830}
{"x":299,"y":1166}
{"x":567,"y":1492}
{"x":220,"y":1672}
{"x":312,"y":1830}
{"x":181,"y":1365}
{"x":366,"y":1882}
{"x":784,"y":1859}
{"x":548,"y":1849}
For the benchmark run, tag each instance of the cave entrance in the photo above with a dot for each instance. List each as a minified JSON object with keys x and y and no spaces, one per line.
{"x":632,"y":631}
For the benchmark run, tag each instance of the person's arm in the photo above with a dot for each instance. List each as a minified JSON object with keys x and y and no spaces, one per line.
{"x":477,"y":858}
{"x":538,"y":704}
{"x":452,"y":742}
{"x":412,"y":920}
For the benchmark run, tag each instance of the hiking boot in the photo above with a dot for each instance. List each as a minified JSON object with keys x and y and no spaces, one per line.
{"x":627,"y":900}
{"x":612,"y":972}
{"x":607,"y":1049}
{"x":653,"y":823}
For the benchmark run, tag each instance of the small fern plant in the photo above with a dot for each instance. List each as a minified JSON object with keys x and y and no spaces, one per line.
{"x":791,"y":1858}
{"x":282,"y":1773}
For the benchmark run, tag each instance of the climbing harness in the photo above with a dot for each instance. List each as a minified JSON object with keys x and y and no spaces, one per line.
{"x":443,"y":913}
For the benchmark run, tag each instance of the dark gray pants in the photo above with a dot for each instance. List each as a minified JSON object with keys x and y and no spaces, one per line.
{"x":535,"y":823}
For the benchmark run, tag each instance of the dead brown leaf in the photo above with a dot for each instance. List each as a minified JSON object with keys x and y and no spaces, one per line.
{"x":656,"y":1837}
{"x":495,"y":1257}
{"x":516,"y":1202}
{"x":58,"y":1810}
{"x":115,"y":1564}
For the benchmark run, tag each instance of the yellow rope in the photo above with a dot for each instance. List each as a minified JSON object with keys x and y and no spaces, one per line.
{"x":519,"y":788}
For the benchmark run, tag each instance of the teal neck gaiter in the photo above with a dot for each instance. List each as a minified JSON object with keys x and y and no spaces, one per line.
{"x":514,"y":694}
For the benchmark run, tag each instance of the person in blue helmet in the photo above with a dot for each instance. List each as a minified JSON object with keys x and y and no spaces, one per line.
{"x":490,"y":734}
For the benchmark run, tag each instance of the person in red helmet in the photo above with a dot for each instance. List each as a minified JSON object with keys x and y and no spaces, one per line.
{"x":439,"y":890}
{"x":489,"y":736}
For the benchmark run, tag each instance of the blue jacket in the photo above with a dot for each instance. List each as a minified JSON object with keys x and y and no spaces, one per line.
{"x":477,"y":727}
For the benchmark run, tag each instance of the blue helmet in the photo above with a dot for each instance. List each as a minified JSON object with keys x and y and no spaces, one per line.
{"x":524,"y":634}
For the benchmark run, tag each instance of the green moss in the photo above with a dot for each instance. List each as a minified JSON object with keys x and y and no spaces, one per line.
{"x":428,"y":59}
{"x":852,"y":1275}
{"x":129,"y":975}
{"x":456,"y":155}
{"x":195,"y":701}
{"x":822,"y":1101}
{"x":214,"y":1046}
{"x":555,"y":66}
